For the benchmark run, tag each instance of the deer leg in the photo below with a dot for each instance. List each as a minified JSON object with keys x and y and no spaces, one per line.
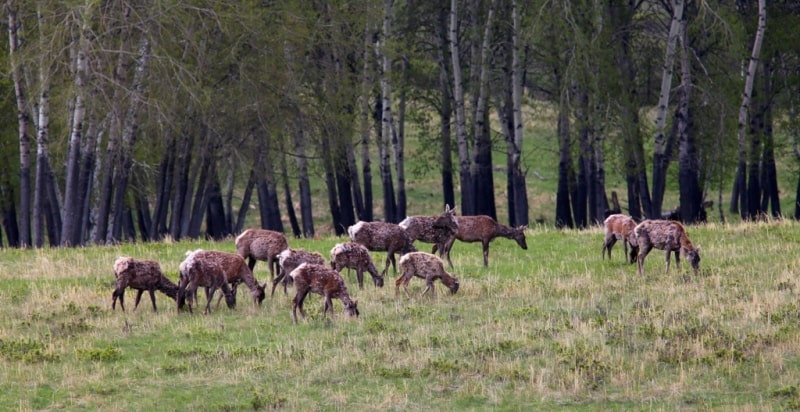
{"x":298,"y":303}
{"x":328,"y":305}
{"x":608,"y":244}
{"x":153,"y":299}
{"x":360,"y":276}
{"x":276,"y":281}
{"x":209,"y":298}
{"x":429,"y":286}
{"x":643,"y":251}
{"x":668,"y":253}
{"x":118,"y":294}
{"x":251,"y":262}
{"x":678,"y":260}
{"x":485,"y":254}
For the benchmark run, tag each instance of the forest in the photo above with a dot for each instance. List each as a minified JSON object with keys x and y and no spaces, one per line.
{"x":140,"y":121}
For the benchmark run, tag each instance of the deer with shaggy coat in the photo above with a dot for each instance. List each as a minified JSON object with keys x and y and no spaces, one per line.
{"x":289,"y":260}
{"x":483,"y":229}
{"x":382,"y":236}
{"x":432,"y":229}
{"x":142,"y":275}
{"x":261,"y":244}
{"x":235,"y":270}
{"x":426,"y":266}
{"x":206,"y":273}
{"x":323,"y":281}
{"x":620,"y":227}
{"x":352,"y":255}
{"x":669,"y":236}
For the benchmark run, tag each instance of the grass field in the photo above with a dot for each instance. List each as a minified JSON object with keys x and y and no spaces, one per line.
{"x":548,"y":328}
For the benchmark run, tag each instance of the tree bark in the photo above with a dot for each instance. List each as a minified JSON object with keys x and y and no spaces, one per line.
{"x":519,"y":195}
{"x":387,"y":122}
{"x":467,"y":193}
{"x":690,"y":194}
{"x":740,"y":183}
{"x":446,"y":110}
{"x":482,"y":175}
{"x":23,"y":121}
{"x":660,"y":154}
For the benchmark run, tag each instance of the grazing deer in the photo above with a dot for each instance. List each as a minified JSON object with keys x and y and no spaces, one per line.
{"x":323,"y":281}
{"x":352,"y":255}
{"x":432,"y":229}
{"x":261,"y":244}
{"x":143,"y":275}
{"x":382,"y":236}
{"x":289,"y":260}
{"x":666,"y":235}
{"x":483,"y":229}
{"x":426,"y":266}
{"x":235,"y":270}
{"x":202,"y":272}
{"x":620,"y":227}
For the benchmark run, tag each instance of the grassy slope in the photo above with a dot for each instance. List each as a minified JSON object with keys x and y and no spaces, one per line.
{"x":550,"y":327}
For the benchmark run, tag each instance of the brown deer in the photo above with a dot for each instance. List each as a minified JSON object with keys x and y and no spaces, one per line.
{"x":352,"y":255}
{"x":206,"y":273}
{"x":666,"y":235}
{"x":432,"y":229}
{"x":236,"y":271}
{"x":261,"y":244}
{"x":328,"y":283}
{"x":620,"y":227}
{"x":483,"y":229}
{"x":382,"y":236}
{"x":142,"y":275}
{"x":289,"y":260}
{"x":426,"y":266}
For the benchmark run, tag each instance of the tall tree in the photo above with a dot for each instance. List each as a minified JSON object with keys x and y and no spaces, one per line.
{"x":464,"y":173}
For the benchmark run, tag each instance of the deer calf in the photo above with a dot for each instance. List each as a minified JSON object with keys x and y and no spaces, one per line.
{"x":620,"y":227}
{"x":289,"y":260}
{"x":323,"y":281}
{"x":426,"y":266}
{"x":666,"y":235}
{"x":352,"y":255}
{"x":142,"y":275}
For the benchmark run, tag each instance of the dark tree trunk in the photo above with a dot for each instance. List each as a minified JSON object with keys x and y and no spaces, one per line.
{"x":216,"y":221}
{"x":202,"y":187}
{"x":484,"y":178}
{"x":179,"y":195}
{"x":330,"y":185}
{"x":446,"y":110}
{"x":9,"y":212}
{"x":128,"y":226}
{"x":246,"y":196}
{"x":287,"y":191}
{"x":143,"y":217}
{"x":753,"y":170}
{"x":769,"y":185}
{"x":268,"y":206}
{"x":166,"y":173}
{"x":565,"y":172}
{"x":691,"y":196}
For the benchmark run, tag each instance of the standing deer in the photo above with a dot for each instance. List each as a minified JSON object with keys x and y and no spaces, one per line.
{"x":352,"y":255}
{"x":261,"y":244}
{"x":426,"y":266}
{"x":620,"y":227}
{"x":382,"y":236}
{"x":143,"y":275}
{"x":235,"y":270}
{"x":323,"y":281}
{"x":666,"y":235}
{"x":432,"y":229}
{"x":289,"y":260}
{"x":206,"y":273}
{"x":483,"y":229}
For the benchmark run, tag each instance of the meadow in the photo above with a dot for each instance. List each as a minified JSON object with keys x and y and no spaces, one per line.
{"x":551,"y":327}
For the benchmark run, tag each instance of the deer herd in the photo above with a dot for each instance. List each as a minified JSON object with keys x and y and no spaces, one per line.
{"x":308,"y":272}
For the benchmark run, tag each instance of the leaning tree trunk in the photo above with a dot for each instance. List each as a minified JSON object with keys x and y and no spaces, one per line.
{"x":467,"y":194}
{"x":23,"y":121}
{"x":660,"y":155}
{"x":740,"y":183}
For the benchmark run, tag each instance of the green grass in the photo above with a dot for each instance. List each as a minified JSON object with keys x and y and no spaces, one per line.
{"x":548,"y":328}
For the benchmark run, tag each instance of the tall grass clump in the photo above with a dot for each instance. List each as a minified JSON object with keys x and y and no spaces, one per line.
{"x":554,"y":326}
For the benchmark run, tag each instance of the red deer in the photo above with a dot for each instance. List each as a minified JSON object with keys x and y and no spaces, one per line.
{"x":289,"y":260}
{"x":261,"y":244}
{"x":432,"y":229}
{"x":620,"y":227}
{"x":143,"y":275}
{"x":382,"y":236}
{"x":236,"y":271}
{"x":426,"y":266}
{"x":484,"y":229}
{"x":323,"y":281}
{"x":352,"y":255}
{"x":202,"y":272}
{"x":666,"y":235}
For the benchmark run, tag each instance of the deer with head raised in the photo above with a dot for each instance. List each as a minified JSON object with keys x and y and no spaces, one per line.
{"x":432,"y":229}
